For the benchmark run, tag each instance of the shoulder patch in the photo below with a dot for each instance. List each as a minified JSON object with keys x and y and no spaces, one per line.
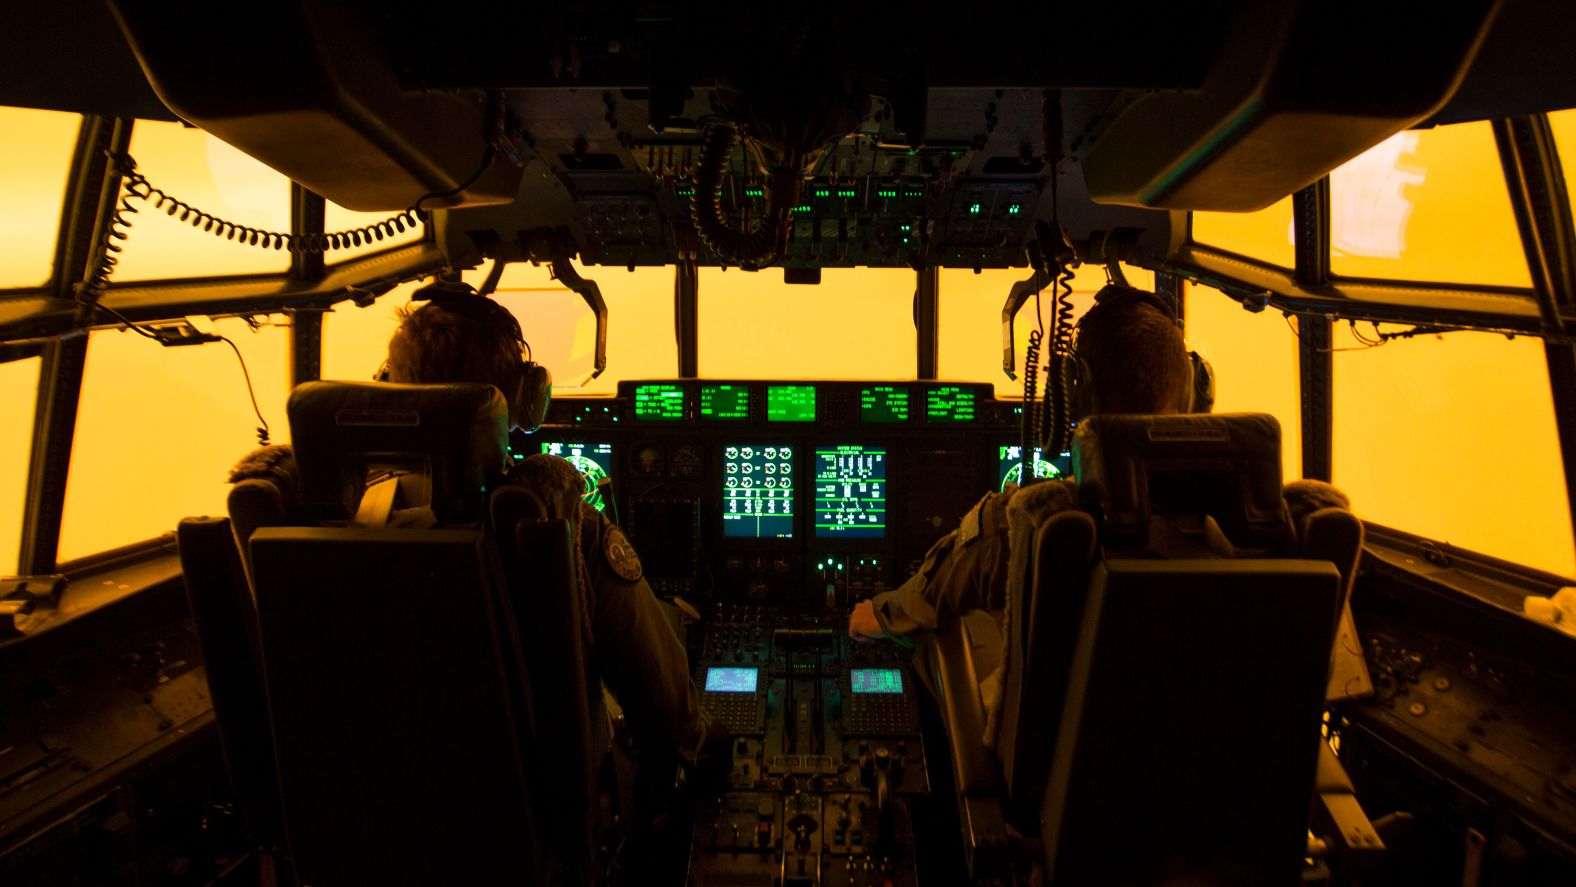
{"x":621,"y":555}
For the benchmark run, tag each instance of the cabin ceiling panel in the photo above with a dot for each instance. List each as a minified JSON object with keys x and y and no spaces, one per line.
{"x":70,"y":55}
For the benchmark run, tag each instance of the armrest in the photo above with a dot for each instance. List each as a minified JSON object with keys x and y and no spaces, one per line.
{"x":1349,"y":839}
{"x":964,"y":712}
{"x":979,"y":783}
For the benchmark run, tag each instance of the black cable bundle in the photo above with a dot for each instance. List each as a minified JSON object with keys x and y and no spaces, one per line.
{"x":752,"y":248}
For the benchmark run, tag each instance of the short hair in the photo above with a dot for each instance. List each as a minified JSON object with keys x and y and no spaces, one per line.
{"x":435,"y":345}
{"x":1136,"y":356}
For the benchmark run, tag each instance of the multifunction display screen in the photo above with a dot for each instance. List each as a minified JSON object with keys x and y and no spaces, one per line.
{"x":1010,"y":466}
{"x":883,"y":404}
{"x":949,"y":404}
{"x":731,"y":680}
{"x":790,"y":403}
{"x":724,"y":403}
{"x":594,"y":461}
{"x":659,"y":403}
{"x":871,"y":680}
{"x":757,"y":492}
{"x":850,"y":492}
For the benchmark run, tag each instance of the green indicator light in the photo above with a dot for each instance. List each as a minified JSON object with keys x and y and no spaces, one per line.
{"x":753,"y":192}
{"x":974,"y":209}
{"x":905,"y":227}
{"x":790,"y":403}
{"x":686,"y":192}
{"x":915,"y":193}
{"x":886,"y":192}
{"x":803,"y":208}
{"x":658,"y":403}
{"x":847,"y":192}
{"x":1014,"y":209}
{"x":724,"y":403}
{"x":823,"y":192}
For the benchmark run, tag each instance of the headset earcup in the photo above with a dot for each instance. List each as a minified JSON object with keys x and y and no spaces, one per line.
{"x":1203,"y":384}
{"x":534,"y":394}
{"x":1081,"y":396}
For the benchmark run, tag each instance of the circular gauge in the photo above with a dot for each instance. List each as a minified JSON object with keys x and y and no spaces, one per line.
{"x":593,"y":472}
{"x":1042,"y":469}
{"x":648,"y":461}
{"x":686,"y":461}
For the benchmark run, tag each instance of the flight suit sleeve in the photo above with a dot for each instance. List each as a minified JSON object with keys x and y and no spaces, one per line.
{"x":639,"y":656}
{"x":965,"y":570}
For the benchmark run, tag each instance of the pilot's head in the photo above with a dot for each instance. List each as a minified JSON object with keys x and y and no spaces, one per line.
{"x":1133,"y":356}
{"x":451,"y":334}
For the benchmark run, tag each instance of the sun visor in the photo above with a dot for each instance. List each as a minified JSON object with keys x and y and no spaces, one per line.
{"x":1297,"y":90}
{"x":304,"y":88}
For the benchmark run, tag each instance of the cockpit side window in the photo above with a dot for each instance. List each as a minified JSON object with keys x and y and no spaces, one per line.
{"x":1453,"y":437}
{"x":1254,"y":356}
{"x":38,"y":148}
{"x":1265,"y":235}
{"x":158,"y":429}
{"x":1564,"y":125}
{"x":18,"y":385}
{"x":1427,"y":205}
{"x":207,"y":175}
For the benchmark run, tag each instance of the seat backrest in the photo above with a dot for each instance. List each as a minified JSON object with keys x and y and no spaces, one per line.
{"x":1151,"y":691}
{"x":346,"y":433}
{"x":396,"y":688}
{"x":1189,"y":737}
{"x":395,"y":692}
{"x":551,"y":622}
{"x":226,"y":624}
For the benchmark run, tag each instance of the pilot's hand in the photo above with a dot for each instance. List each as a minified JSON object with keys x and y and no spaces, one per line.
{"x":862,"y":624}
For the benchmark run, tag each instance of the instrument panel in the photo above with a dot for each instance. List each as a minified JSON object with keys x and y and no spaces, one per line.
{"x":809,"y":495}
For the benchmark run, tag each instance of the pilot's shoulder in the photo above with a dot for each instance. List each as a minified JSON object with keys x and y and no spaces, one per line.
{"x":1311,"y":495}
{"x":553,"y":479}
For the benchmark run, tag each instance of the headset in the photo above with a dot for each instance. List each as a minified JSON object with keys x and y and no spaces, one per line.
{"x":533,"y":385}
{"x":1080,"y":389}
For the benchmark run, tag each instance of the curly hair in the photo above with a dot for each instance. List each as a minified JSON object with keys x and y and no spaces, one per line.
{"x":437,"y":345}
{"x":1137,"y":357}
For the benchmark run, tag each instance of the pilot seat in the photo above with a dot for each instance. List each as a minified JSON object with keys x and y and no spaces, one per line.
{"x":1167,"y":644}
{"x":413,"y":662}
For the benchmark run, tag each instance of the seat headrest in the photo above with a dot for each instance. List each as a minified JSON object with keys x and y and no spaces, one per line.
{"x":1228,"y":467}
{"x":454,"y":435}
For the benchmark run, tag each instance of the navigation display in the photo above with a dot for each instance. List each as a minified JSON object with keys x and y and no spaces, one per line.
{"x":850,"y":492}
{"x":883,"y":404}
{"x":872,"y":680}
{"x":594,"y":461}
{"x":1009,"y":466}
{"x":724,"y":403}
{"x":757,"y":492}
{"x":949,"y":404}
{"x":661,"y":402}
{"x":731,"y":680}
{"x":790,"y":403}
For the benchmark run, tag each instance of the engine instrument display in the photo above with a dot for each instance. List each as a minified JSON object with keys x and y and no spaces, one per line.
{"x":883,"y":404}
{"x":659,"y":402}
{"x":790,"y":403}
{"x":850,"y":492}
{"x":757,"y":492}
{"x":724,"y":403}
{"x":594,"y":461}
{"x":949,"y":404}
